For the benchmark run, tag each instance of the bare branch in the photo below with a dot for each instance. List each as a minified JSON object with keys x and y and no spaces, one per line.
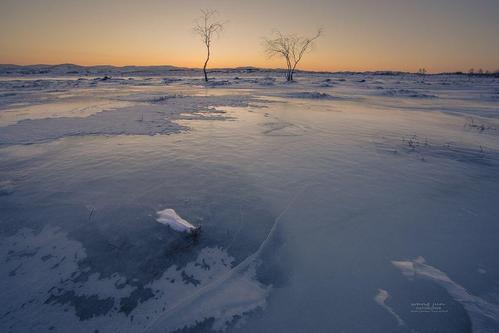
{"x":290,"y":47}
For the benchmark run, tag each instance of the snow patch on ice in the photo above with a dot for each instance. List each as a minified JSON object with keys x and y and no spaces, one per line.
{"x":170,"y":218}
{"x":381,"y":298}
{"x":484,"y":315}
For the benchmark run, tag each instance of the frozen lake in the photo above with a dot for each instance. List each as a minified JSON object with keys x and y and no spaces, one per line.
{"x":340,"y":203}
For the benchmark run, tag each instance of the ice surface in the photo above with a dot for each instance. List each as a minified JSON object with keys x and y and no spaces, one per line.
{"x":305,"y":192}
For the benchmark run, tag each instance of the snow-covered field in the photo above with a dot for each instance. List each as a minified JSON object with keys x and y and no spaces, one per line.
{"x":339,"y":203}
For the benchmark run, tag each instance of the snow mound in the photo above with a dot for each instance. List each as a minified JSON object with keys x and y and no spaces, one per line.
{"x":406,"y":93}
{"x":310,"y":95}
{"x":170,"y":218}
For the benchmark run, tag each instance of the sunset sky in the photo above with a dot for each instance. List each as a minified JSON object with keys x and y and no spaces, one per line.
{"x":440,"y":35}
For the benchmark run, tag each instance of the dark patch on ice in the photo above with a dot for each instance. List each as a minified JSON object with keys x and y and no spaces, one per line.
{"x":14,"y":271}
{"x":189,"y":279}
{"x":85,"y":307}
{"x":139,"y":295}
{"x":204,"y":326}
{"x":47,"y":257}
{"x":25,"y":253}
{"x":57,"y":264}
{"x":6,"y":188}
{"x":169,"y":80}
{"x":203,"y":265}
{"x":142,"y":256}
{"x":105,"y":78}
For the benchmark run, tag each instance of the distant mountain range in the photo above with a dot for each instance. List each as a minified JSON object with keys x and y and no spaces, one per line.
{"x":71,"y":69}
{"x":78,"y":70}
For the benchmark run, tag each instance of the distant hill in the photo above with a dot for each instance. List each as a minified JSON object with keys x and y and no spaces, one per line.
{"x":103,"y":70}
{"x":78,"y":70}
{"x":71,"y":69}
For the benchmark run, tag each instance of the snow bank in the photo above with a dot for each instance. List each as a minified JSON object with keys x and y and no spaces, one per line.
{"x":170,"y":218}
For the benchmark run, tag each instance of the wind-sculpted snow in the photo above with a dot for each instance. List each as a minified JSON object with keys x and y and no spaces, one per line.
{"x":484,"y":315}
{"x":170,"y":218}
{"x":381,"y":298}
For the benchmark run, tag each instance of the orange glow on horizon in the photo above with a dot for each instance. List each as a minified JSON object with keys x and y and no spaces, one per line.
{"x":358,"y":35}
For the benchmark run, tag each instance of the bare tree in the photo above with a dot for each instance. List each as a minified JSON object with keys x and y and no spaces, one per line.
{"x":207,"y":28}
{"x":291,"y":47}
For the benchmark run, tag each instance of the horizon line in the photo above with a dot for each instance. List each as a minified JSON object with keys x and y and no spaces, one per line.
{"x":486,"y":71}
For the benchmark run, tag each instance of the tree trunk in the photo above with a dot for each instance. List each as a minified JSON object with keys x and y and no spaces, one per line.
{"x":289,"y":76}
{"x":205,"y":64}
{"x":288,"y":71}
